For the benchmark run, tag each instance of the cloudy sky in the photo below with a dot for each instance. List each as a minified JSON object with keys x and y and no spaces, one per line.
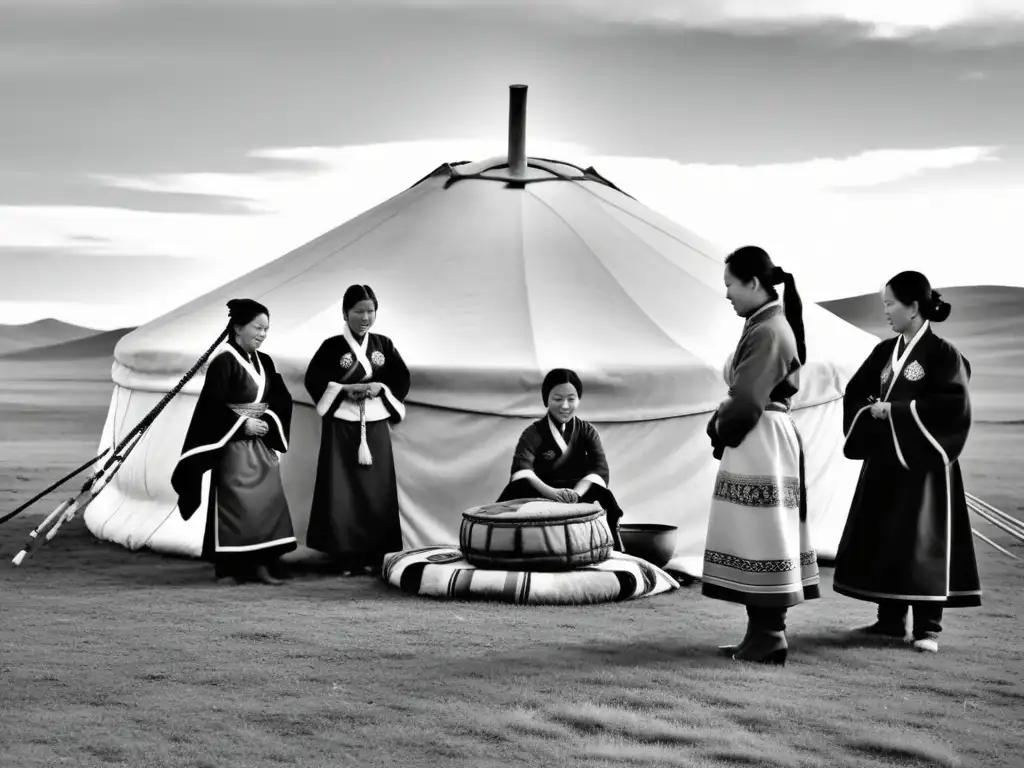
{"x":153,"y":149}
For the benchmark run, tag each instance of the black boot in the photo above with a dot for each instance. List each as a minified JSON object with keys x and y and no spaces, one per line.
{"x":263,"y":575}
{"x":729,"y":650}
{"x":767,"y":642}
{"x":225,"y":575}
{"x":892,"y":622}
{"x":765,"y":647}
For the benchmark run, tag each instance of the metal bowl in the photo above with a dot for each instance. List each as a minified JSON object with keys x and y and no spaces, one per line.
{"x":653,"y":542}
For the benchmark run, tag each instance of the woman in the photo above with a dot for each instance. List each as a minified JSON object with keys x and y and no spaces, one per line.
{"x":907,"y":414}
{"x":354,"y":517}
{"x":229,"y":462}
{"x":561,"y":457}
{"x":758,"y":550}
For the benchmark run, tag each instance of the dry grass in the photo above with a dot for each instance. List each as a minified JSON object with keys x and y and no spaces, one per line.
{"x":118,"y":658}
{"x":113,"y":658}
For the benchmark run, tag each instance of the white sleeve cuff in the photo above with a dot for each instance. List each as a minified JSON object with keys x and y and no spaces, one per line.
{"x":280,"y":428}
{"x":328,"y":398}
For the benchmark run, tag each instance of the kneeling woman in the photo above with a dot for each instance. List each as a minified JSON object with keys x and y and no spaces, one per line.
{"x":229,"y":461}
{"x":561,"y":457}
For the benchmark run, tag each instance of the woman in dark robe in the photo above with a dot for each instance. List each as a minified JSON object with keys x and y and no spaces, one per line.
{"x":230,"y":463}
{"x":560,"y":457}
{"x":907,"y":415}
{"x":758,"y":551}
{"x":354,"y":516}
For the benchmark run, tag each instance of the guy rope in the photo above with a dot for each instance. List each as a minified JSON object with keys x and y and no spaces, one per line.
{"x":999,"y":519}
{"x":66,"y":511}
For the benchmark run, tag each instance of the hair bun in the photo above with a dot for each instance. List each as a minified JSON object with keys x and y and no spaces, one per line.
{"x":939,"y":309}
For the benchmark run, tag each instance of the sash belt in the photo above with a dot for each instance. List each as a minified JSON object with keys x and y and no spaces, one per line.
{"x":248,"y":410}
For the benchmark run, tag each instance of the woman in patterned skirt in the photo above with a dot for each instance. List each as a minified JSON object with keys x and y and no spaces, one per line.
{"x":758,"y":550}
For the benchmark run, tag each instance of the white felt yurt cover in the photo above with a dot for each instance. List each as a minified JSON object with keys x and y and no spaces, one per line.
{"x":483,"y":287}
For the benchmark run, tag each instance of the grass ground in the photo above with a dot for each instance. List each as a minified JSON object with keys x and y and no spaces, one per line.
{"x":113,"y":658}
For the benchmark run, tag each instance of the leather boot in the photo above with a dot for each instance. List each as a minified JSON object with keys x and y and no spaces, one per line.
{"x":729,"y":650}
{"x":882,"y":629}
{"x":263,"y":575}
{"x":225,"y":576}
{"x":765,"y":647}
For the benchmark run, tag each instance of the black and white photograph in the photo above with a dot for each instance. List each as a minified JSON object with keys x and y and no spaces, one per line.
{"x":486,"y":383}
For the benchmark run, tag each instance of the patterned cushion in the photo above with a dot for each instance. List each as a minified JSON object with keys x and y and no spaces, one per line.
{"x":443,"y":572}
{"x":535,"y":534}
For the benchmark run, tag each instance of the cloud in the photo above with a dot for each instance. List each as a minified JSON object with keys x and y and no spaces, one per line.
{"x":868,"y":169}
{"x":290,"y":207}
{"x":837,"y":222}
{"x":879,"y":18}
{"x":885,"y":18}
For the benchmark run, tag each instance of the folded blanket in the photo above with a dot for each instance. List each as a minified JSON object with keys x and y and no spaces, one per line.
{"x":443,"y":572}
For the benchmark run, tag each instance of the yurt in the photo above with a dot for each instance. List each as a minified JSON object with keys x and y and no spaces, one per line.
{"x":489,"y":274}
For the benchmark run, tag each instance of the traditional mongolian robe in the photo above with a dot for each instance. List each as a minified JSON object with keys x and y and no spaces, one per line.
{"x":758,"y":549}
{"x":234,"y":476}
{"x":562,"y":456}
{"x":354,"y":517}
{"x":908,"y":535}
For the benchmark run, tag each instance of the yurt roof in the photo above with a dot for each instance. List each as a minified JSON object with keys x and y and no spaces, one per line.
{"x":490,"y":273}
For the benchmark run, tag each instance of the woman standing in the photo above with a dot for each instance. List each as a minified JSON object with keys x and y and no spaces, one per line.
{"x":758,"y":550}
{"x":229,"y":462}
{"x":357,"y":376}
{"x":907,"y":414}
{"x":561,"y":456}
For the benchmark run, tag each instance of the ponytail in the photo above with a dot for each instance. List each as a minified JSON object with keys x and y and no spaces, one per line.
{"x":750,"y":262}
{"x":793,"y":307}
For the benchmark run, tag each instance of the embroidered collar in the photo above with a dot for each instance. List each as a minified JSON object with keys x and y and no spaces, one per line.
{"x":359,"y":350}
{"x":920,"y":332}
{"x":764,"y":312}
{"x":898,"y":361}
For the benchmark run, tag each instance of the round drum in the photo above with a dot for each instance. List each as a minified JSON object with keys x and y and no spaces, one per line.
{"x":535,"y":535}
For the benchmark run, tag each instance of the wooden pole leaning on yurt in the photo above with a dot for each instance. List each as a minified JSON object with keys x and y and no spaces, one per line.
{"x":517,"y":130}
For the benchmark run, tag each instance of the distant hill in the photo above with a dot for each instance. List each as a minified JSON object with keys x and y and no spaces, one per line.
{"x":977,"y":310}
{"x":40,"y":333}
{"x":94,"y":345}
{"x":986,"y":325}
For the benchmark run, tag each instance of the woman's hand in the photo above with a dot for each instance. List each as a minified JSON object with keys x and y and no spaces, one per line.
{"x":355,"y":391}
{"x":881,"y":410}
{"x":255,"y":428}
{"x":373,"y":388}
{"x":567,"y":496}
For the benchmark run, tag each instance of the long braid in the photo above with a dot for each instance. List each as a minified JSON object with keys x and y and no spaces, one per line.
{"x":150,"y":417}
